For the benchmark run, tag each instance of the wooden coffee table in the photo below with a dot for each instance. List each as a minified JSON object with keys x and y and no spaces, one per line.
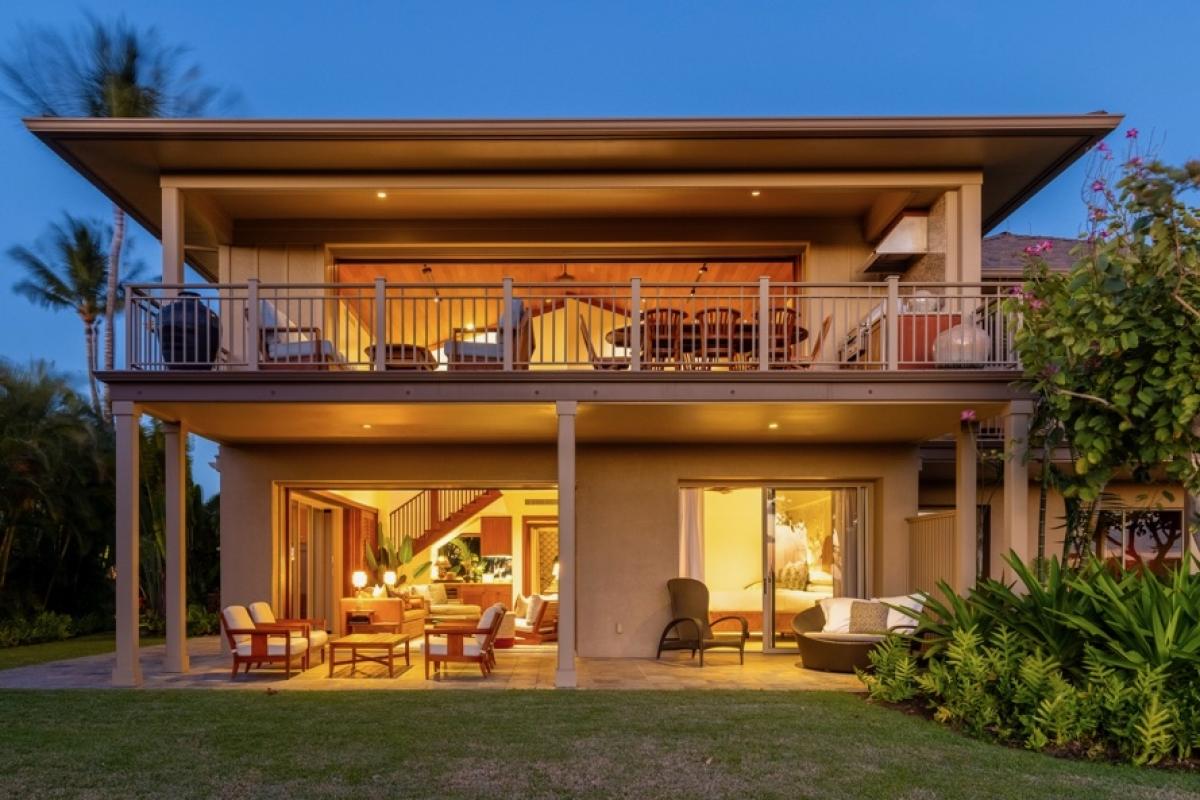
{"x":378,"y":648}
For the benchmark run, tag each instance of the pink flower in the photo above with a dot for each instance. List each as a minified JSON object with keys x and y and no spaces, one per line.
{"x":1046,"y":246}
{"x":1103,"y":235}
{"x":1036,"y":304}
{"x":968,"y":415}
{"x":1136,"y":161}
{"x":1132,"y":133}
{"x":1097,"y":185}
{"x":1099,"y":214}
{"x":1032,"y":250}
{"x":1102,"y":147}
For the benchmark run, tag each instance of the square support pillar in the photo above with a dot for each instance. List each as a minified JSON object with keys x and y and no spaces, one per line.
{"x":1016,"y":480}
{"x":175,"y":497}
{"x":565,"y":675}
{"x":172,"y":237}
{"x":970,"y":233}
{"x":965,"y":494}
{"x":126,"y":423}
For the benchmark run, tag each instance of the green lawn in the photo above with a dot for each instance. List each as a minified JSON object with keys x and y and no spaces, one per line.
{"x":90,"y":645}
{"x":535,"y":744}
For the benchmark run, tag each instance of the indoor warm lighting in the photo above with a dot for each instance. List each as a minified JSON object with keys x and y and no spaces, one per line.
{"x":554,"y":570}
{"x":381,"y":195}
{"x":366,"y":426}
{"x":773,"y":425}
{"x":389,"y":578}
{"x":359,"y":579}
{"x":471,"y":326}
{"x":755,"y":193}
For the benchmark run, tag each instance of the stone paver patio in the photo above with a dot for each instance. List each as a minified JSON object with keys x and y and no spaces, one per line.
{"x":523,"y":667}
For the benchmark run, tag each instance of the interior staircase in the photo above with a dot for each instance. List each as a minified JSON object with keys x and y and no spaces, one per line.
{"x":435,"y":512}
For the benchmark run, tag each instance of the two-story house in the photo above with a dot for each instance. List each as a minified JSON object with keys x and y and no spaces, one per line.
{"x":609,"y":352}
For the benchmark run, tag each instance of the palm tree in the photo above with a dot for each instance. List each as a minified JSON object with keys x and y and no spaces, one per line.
{"x":69,"y":273}
{"x":103,"y":70}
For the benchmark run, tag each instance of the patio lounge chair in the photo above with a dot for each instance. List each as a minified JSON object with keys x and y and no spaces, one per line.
{"x":255,"y":645}
{"x":286,"y":344}
{"x":462,"y":352}
{"x":831,"y":652}
{"x":311,"y":629}
{"x":691,"y":629}
{"x":472,"y":644}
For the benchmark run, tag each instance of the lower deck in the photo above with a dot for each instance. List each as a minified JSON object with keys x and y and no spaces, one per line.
{"x":522,"y":667}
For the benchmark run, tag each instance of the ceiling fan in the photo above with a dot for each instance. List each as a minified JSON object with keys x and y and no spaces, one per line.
{"x":565,"y":276}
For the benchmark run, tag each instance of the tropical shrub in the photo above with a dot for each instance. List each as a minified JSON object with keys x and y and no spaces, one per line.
{"x":46,"y":626}
{"x":1090,"y":663}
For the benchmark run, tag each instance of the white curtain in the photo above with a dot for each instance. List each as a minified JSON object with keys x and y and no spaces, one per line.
{"x":691,"y":533}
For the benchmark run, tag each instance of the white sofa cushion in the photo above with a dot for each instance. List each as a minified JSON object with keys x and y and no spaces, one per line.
{"x":438,"y":646}
{"x":299,"y":350}
{"x":276,"y":646}
{"x":535,"y":606}
{"x":455,"y":610}
{"x":261,"y":613}
{"x":837,"y":613}
{"x":523,"y":626}
{"x":487,"y":621}
{"x":238,"y":618}
{"x":317,"y":639}
{"x":898,"y":619}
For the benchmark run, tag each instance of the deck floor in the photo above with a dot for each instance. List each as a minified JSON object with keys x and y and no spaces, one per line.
{"x":523,"y":667}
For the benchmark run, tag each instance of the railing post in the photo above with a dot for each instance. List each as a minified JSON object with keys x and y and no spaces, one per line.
{"x":508,"y":328}
{"x":766,"y":324}
{"x":253,"y":336}
{"x":635,"y":327}
{"x":132,"y":317}
{"x":892,"y":323}
{"x":380,"y":324}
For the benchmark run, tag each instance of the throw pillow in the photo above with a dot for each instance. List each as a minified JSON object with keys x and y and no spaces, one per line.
{"x":535,"y":605}
{"x":898,"y":619}
{"x":867,"y":617}
{"x":520,"y":606}
{"x":437,"y":594}
{"x":837,"y":613}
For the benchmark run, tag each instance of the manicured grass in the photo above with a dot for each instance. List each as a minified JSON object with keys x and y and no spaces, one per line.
{"x":90,"y":645}
{"x":529,"y":745}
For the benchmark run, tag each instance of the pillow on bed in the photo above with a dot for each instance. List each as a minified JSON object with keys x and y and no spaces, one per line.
{"x":794,"y":575}
{"x":837,"y":613}
{"x":898,"y":619}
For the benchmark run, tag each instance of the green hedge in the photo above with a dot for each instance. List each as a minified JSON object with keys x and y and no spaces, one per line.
{"x":1085,"y":662}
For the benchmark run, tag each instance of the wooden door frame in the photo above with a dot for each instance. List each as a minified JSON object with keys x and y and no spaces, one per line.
{"x":528,"y":524}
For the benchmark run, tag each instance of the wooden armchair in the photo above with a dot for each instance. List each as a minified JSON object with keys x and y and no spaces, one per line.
{"x":540,"y":623}
{"x":312,"y":629}
{"x":468,"y":644}
{"x":255,"y":645}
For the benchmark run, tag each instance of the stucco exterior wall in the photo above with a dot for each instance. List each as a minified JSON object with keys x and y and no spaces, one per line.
{"x":627,"y":511}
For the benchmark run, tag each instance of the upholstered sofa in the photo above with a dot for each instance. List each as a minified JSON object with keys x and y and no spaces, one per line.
{"x":439,"y":606}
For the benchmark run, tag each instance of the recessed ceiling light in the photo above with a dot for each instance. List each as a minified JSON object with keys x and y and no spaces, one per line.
{"x":366,"y":426}
{"x":755,"y":193}
{"x":773,"y":425}
{"x":381,"y":195}
{"x":470,"y":326}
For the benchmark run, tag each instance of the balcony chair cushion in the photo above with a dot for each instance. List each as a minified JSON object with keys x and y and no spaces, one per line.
{"x":238,"y":618}
{"x":439,"y":647}
{"x":276,"y":646}
{"x":306,"y":349}
{"x":843,"y":638}
{"x":837,"y":613}
{"x":898,"y":620}
{"x":457,"y":350}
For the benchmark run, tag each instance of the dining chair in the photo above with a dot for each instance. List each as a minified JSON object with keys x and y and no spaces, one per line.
{"x":717,"y":330}
{"x":662,"y":338}
{"x":598,"y":361}
{"x":784,"y":334}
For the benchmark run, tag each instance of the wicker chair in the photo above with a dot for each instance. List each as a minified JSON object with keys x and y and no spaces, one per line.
{"x":831,"y":652}
{"x":691,"y":629}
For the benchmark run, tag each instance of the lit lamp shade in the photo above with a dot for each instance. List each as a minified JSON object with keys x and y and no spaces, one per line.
{"x":359,"y":579}
{"x":962,"y":346}
{"x":389,"y":578}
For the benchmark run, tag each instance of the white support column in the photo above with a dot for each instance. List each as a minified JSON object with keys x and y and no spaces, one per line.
{"x":970,"y":232}
{"x":564,"y":676}
{"x":965,"y":476}
{"x":1016,"y":480}
{"x":128,"y":669}
{"x":175,"y":496}
{"x":172,"y":236}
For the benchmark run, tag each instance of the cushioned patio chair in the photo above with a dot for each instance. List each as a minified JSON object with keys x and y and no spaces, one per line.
{"x":255,"y":645}
{"x":690,"y":627}
{"x":831,"y":651}
{"x":463,"y":351}
{"x":312,"y":629}
{"x":539,"y":623}
{"x":472,"y":644}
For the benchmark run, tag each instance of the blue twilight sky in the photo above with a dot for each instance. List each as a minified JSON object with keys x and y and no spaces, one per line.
{"x":612,"y":58}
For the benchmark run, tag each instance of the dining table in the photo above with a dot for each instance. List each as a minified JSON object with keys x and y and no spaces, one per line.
{"x":695,"y":337}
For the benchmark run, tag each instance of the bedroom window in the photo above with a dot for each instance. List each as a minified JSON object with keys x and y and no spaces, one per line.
{"x":767,"y":553}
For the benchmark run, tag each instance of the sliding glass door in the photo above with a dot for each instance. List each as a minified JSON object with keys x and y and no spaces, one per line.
{"x":814,"y":546}
{"x":767,"y":553}
{"x":311,"y":584}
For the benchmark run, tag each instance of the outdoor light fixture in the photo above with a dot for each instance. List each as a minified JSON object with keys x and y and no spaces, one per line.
{"x":381,"y":195}
{"x":366,"y":426}
{"x":755,"y":193}
{"x":427,"y":273}
{"x":773,"y":425}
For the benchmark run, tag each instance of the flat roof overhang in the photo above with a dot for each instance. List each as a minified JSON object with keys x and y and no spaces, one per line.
{"x":295,"y":408}
{"x":125,"y":158}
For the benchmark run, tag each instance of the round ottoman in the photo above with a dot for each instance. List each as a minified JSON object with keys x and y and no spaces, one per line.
{"x":507,"y":634}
